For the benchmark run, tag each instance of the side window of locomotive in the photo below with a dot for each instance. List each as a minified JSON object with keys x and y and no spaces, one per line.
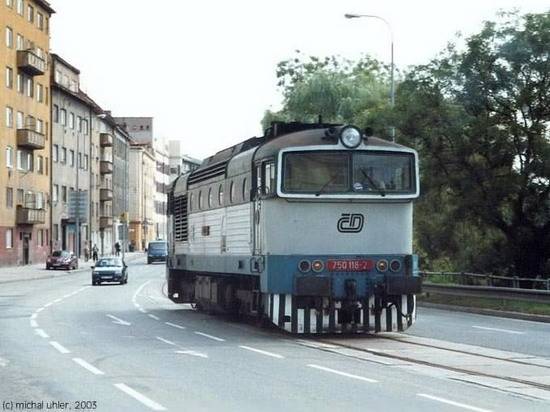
{"x":210,"y":196}
{"x":200,"y":199}
{"x":191,"y":202}
{"x":245,"y":197}
{"x":220,"y":195}
{"x":268,"y":177}
{"x":232,"y":192}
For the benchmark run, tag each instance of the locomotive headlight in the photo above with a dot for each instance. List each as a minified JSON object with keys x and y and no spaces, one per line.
{"x":317,"y":266}
{"x":382,"y":265}
{"x":350,"y":137}
{"x":304,"y":266}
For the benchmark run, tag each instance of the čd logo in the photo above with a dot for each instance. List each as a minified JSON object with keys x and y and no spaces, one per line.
{"x":351,"y":223}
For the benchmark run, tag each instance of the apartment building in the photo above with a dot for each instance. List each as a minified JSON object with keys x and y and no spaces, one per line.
{"x":142,"y":190}
{"x":25,"y":142}
{"x":162,"y":180}
{"x":74,"y":171}
{"x":180,"y":163}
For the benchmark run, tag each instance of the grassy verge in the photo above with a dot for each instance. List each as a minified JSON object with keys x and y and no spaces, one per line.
{"x":488,"y":303}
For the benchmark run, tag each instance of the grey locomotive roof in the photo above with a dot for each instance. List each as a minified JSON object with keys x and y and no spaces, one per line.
{"x":309,"y":138}
{"x":180,"y":184}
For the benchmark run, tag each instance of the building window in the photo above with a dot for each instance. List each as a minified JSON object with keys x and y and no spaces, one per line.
{"x":25,"y":161}
{"x":40,"y":20}
{"x":9,"y":3}
{"x":9,"y":197}
{"x":30,"y":13}
{"x":9,"y":37}
{"x":55,"y":233}
{"x":71,"y":158}
{"x":20,"y":84}
{"x":63,"y":117}
{"x":85,"y":127}
{"x":9,"y":77}
{"x":9,"y":238}
{"x":63,"y":158}
{"x":64,"y":194}
{"x":20,"y":120}
{"x":80,"y":160}
{"x":9,"y":116}
{"x":20,"y":7}
{"x":71,"y":120}
{"x":55,"y":153}
{"x":19,"y":42}
{"x":40,"y":164}
{"x":29,"y":85}
{"x":55,"y":113}
{"x":9,"y":157}
{"x":85,"y":162}
{"x":39,"y":93}
{"x":39,"y":200}
{"x":55,"y":193}
{"x":39,"y":126}
{"x":79,"y":123}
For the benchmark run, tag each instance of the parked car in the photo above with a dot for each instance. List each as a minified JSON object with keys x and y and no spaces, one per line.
{"x":157,"y":251}
{"x":109,"y":269}
{"x":62,"y":259}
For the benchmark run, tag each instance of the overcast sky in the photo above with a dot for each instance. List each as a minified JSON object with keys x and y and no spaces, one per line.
{"x":205,"y":70}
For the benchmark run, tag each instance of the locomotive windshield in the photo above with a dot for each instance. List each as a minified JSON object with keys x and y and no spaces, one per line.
{"x":357,"y":172}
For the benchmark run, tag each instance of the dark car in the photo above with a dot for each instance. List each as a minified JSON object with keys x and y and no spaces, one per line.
{"x":157,"y":251}
{"x":62,"y":259}
{"x":109,"y":269}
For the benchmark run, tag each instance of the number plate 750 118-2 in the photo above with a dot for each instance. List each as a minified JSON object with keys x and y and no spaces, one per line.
{"x":350,"y":265}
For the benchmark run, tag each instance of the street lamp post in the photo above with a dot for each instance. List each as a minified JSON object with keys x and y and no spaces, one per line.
{"x":392,"y":85}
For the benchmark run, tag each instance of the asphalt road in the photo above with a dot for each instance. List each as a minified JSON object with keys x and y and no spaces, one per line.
{"x":127,"y":348}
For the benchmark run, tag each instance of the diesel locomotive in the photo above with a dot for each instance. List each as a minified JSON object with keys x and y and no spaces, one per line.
{"x":308,"y":227}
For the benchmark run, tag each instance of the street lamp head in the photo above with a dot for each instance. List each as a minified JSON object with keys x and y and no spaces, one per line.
{"x":351,"y":16}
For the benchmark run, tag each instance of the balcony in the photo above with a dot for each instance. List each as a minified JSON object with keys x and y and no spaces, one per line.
{"x":30,"y":139}
{"x":105,"y":140}
{"x":105,"y":222}
{"x":30,"y":63}
{"x":105,"y":167}
{"x":105,"y":195}
{"x":30,"y":216}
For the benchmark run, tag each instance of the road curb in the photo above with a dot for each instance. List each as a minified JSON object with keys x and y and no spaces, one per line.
{"x":487,"y":312}
{"x":50,"y":274}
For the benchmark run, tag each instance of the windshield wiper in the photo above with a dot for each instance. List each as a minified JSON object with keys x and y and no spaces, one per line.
{"x":381,"y":191}
{"x":322,"y":189}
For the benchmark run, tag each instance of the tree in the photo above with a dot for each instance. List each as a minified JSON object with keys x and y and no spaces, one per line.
{"x":338,"y":90}
{"x":480,"y":117}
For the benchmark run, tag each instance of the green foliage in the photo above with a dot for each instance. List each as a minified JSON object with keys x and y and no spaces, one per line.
{"x":480,"y":119}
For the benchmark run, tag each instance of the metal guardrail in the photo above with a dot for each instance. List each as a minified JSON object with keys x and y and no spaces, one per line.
{"x":476,"y":279}
{"x":527,"y":295}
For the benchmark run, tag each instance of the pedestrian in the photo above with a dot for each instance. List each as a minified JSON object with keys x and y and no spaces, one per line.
{"x":86,"y":252}
{"x":117,"y":249}
{"x":95,"y":250}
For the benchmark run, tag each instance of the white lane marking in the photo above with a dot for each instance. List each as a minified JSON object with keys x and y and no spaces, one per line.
{"x":169,"y":342}
{"x":33,"y":323}
{"x":348,"y":375}
{"x":141,"y":398}
{"x":118,"y":321}
{"x":137,"y":292}
{"x":4,"y":362}
{"x":40,"y":332}
{"x":59,"y":347}
{"x":57,"y":300}
{"x":142,"y":310}
{"x":68,"y":295}
{"x":449,"y":402}
{"x":48,"y":304}
{"x":39,"y":310}
{"x":174,"y":325}
{"x":193,"y":353}
{"x":33,"y":316}
{"x":89,"y":367}
{"x":210,"y":336}
{"x":513,"y":332}
{"x":263,"y":352}
{"x":153,"y":317}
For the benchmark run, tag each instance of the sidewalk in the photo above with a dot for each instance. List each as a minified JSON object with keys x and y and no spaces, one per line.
{"x":39,"y":271}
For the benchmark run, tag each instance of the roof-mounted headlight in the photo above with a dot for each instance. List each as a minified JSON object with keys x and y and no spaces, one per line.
{"x":350,"y":136}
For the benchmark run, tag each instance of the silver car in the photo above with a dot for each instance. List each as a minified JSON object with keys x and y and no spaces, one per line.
{"x":109,"y":269}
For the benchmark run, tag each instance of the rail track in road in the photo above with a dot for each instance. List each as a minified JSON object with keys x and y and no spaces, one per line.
{"x":405,"y":349}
